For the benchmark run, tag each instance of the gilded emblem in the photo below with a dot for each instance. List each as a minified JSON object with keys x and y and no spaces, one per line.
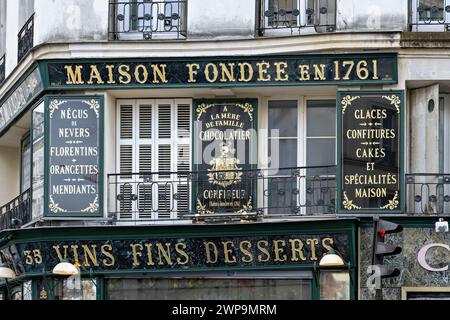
{"x":225,"y":171}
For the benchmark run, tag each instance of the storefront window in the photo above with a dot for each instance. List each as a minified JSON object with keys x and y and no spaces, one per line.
{"x":334,"y":285}
{"x":38,"y":162}
{"x":74,"y":289}
{"x":209,"y":289}
{"x":25,"y":164}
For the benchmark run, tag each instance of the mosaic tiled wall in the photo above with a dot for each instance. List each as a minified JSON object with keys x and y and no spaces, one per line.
{"x":412,"y":274}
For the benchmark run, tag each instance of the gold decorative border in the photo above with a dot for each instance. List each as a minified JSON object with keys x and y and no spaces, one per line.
{"x":394,"y":100}
{"x":348,"y":204}
{"x":248,"y":108}
{"x":392,"y":204}
{"x":201,"y":108}
{"x":54,"y":207}
{"x":347,"y":101}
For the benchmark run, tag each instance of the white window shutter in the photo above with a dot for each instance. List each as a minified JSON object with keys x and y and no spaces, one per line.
{"x":155,"y":136}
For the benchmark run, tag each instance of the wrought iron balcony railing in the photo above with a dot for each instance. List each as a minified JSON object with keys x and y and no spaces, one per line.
{"x":2,"y":68}
{"x":181,"y":195}
{"x":427,"y":194}
{"x":25,"y":39}
{"x":429,"y":15}
{"x":296,"y":16}
{"x":16,"y":212}
{"x":147,"y":20}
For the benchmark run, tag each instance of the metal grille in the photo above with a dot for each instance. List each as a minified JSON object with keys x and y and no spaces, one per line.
{"x":147,"y":20}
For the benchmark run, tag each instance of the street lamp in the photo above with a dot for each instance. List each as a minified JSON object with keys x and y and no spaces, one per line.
{"x":65,"y":268}
{"x":331,"y":259}
{"x":6,"y":272}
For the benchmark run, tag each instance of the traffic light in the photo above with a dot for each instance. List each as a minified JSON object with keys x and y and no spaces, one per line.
{"x":380,"y":249}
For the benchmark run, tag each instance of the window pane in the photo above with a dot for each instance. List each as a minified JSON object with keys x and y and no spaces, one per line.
{"x":26,"y":166}
{"x":334,"y":285}
{"x":283,"y":116}
{"x":282,"y":13}
{"x":321,"y":118}
{"x":321,"y":152}
{"x":75,"y":290}
{"x":283,"y":153}
{"x":431,"y":9}
{"x":38,"y":162}
{"x":209,"y":289}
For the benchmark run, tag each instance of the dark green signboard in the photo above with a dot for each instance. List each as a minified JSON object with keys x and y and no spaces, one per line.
{"x":20,"y":98}
{"x":346,"y":69}
{"x":225,"y":152}
{"x":74,"y":156}
{"x":181,"y":253}
{"x":370,"y":151}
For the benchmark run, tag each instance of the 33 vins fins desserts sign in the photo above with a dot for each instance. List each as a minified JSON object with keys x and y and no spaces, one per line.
{"x":74,"y":156}
{"x":225,"y":150}
{"x":370,"y":151}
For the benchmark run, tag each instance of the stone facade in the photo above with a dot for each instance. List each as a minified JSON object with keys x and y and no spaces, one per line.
{"x":412,"y":274}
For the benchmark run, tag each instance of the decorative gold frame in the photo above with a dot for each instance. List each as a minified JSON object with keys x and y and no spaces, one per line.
{"x":406,"y":290}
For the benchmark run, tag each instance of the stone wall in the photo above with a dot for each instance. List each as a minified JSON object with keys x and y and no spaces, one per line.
{"x":412,"y":274}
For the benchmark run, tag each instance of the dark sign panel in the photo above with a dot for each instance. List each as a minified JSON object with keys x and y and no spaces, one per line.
{"x":20,"y":98}
{"x":74,"y":156}
{"x":184,"y":254}
{"x":225,"y":153}
{"x":193,"y":72}
{"x":370,"y":151}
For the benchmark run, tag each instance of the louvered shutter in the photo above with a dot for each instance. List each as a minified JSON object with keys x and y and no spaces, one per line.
{"x":155,"y":137}
{"x":183,"y":156}
{"x":145,"y":154}
{"x":124,"y":187}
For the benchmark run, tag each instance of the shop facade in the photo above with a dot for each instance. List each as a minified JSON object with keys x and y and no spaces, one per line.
{"x":257,"y":261}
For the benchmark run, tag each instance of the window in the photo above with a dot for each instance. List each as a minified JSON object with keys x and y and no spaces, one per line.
{"x":75,"y":289}
{"x":147,"y":19}
{"x":431,"y":10}
{"x":430,"y":15}
{"x":245,"y":286}
{"x":38,"y":162}
{"x":25,"y":162}
{"x":302,"y":157}
{"x":334,"y":285}
{"x":302,"y":16}
{"x":154,"y":142}
{"x":321,"y":133}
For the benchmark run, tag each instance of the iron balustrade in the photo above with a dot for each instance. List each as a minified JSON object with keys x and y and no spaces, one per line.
{"x":309,"y":16}
{"x":147,"y":20}
{"x":429,"y":16}
{"x":25,"y":39}
{"x":2,"y":68}
{"x":16,"y":212}
{"x":427,"y":194}
{"x":303,"y":191}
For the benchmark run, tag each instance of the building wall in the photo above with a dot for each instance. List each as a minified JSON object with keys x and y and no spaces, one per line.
{"x":219,"y":19}
{"x":369,"y":15}
{"x":71,"y":21}
{"x":9,"y":174}
{"x":411,"y":240}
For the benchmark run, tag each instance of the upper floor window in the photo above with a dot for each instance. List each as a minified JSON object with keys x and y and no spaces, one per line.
{"x":26,"y":25}
{"x":297,"y":16}
{"x":2,"y":39}
{"x":430,"y":15}
{"x":147,"y":19}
